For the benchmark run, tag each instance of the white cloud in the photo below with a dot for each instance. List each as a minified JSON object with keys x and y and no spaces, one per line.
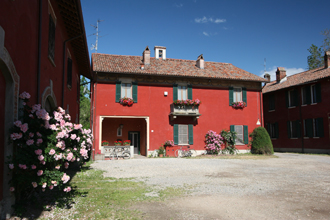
{"x":211,"y":20}
{"x":289,"y":72}
{"x":206,"y":34}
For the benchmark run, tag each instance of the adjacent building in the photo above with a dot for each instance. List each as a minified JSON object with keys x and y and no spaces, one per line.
{"x":297,"y":110}
{"x":43,"y":51}
{"x":136,"y":98}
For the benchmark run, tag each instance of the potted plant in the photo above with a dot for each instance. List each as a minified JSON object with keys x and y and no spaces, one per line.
{"x":169,"y":143}
{"x":105,"y":143}
{"x":161,"y":151}
{"x":239,"y":104}
{"x":117,"y":143}
{"x":126,"y":101}
{"x":187,"y":102}
{"x":127,"y":143}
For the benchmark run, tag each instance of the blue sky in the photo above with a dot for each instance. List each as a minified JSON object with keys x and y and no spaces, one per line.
{"x":243,"y":33}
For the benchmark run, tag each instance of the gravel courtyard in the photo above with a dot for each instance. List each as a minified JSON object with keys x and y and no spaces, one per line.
{"x":292,"y":186}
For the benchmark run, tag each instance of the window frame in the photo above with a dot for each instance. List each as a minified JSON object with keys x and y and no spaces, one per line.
{"x":313,"y":94}
{"x":124,"y":86}
{"x":51,"y":33}
{"x":235,"y":93}
{"x":291,"y":96}
{"x":182,"y":92}
{"x":271,"y":100}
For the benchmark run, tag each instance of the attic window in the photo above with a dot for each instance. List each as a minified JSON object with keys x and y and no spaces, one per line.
{"x":160,"y":53}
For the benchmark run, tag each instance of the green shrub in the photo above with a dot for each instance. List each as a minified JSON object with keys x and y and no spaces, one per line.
{"x":261,"y":143}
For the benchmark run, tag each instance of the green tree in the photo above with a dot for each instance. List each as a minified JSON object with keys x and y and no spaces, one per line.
{"x":85,"y":103}
{"x":316,"y":59}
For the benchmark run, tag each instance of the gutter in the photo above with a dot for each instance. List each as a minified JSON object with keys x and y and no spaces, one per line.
{"x":39,"y":51}
{"x":64,"y":56}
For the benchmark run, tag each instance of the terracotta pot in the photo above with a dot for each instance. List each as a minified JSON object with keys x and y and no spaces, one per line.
{"x":160,"y":155}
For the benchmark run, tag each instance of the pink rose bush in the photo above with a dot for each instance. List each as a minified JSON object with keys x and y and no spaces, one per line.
{"x":46,"y":144}
{"x":213,"y":142}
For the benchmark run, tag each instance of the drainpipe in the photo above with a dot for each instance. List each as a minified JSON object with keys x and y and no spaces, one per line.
{"x":39,"y":51}
{"x":261,"y":109}
{"x":64,"y":55}
{"x":301,"y":127}
{"x":94,"y":116}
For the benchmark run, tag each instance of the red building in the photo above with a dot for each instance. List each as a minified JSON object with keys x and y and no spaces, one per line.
{"x":154,"y":84}
{"x":297,"y":110}
{"x":43,"y":51}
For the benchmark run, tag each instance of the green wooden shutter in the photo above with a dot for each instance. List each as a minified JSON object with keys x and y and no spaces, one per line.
{"x":175,"y":92}
{"x":246,"y":134}
{"x":276,"y":130}
{"x":176,"y":133}
{"x":289,"y":129}
{"x":232,"y":127}
{"x":318,"y":92}
{"x":191,"y":133}
{"x":244,"y":95}
{"x":231,"y":95}
{"x":320,"y":129}
{"x":308,"y":94}
{"x":135,"y":91}
{"x":118,"y":90}
{"x":309,"y":127}
{"x":296,"y":97}
{"x":189,"y":91}
{"x":297,"y":124}
{"x":287,"y":98}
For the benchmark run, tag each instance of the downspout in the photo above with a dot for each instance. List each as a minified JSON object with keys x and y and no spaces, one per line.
{"x":261,"y":109}
{"x":39,"y":51}
{"x":64,"y":55}
{"x":301,"y":128}
{"x":94,"y":115}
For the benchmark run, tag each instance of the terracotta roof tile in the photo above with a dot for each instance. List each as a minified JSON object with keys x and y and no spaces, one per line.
{"x":297,"y":79}
{"x":169,"y":67}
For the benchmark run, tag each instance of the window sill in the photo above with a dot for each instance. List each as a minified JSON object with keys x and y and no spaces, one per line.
{"x":271,"y":110}
{"x":240,"y":144}
{"x":306,"y":137}
{"x":273,"y":138}
{"x":291,"y":107}
{"x":295,"y":138}
{"x":303,"y":105}
{"x":51,"y":60}
{"x":316,"y":137}
{"x":313,"y":103}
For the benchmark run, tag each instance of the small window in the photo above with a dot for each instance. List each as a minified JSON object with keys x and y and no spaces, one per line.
{"x":119,"y":131}
{"x":272,"y":131}
{"x":182,"y":92}
{"x":237,"y":94}
{"x":183,"y":134}
{"x":303,"y":96}
{"x":160,"y":53}
{"x":313,"y":94}
{"x":294,"y":129}
{"x":69,"y":72}
{"x":313,"y":127}
{"x":126,"y":90}
{"x":271,"y":102}
{"x":240,"y":134}
{"x":51,"y":38}
{"x":291,"y":96}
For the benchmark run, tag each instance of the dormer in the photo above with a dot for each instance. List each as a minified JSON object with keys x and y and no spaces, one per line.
{"x":160,"y":52}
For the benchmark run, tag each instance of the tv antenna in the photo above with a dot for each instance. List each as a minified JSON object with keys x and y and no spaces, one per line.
{"x":97,"y":35}
{"x":264,"y":66}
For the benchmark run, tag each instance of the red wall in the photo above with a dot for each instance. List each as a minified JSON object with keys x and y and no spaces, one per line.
{"x":215,"y":110}
{"x":282,"y":114}
{"x":20,"y":21}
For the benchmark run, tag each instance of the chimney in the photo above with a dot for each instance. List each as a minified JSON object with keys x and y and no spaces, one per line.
{"x":327,"y":59}
{"x":200,"y":62}
{"x":160,"y":52}
{"x":146,"y":56}
{"x":280,"y":74}
{"x":267,"y":76}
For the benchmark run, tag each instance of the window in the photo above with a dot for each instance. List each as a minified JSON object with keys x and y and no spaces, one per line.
{"x":241,"y":133}
{"x":272,"y":129}
{"x":126,"y":89}
{"x":313,"y":127}
{"x":271,"y":102}
{"x":183,"y":134}
{"x":69,"y":73}
{"x":119,"y":131}
{"x":160,"y":53}
{"x":51,"y":33}
{"x":237,"y":94}
{"x":313,"y":94}
{"x":291,"y":98}
{"x":293,"y":128}
{"x":182,"y":93}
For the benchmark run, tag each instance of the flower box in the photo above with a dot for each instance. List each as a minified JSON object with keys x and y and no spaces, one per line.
{"x":126,"y":101}
{"x":240,"y":104}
